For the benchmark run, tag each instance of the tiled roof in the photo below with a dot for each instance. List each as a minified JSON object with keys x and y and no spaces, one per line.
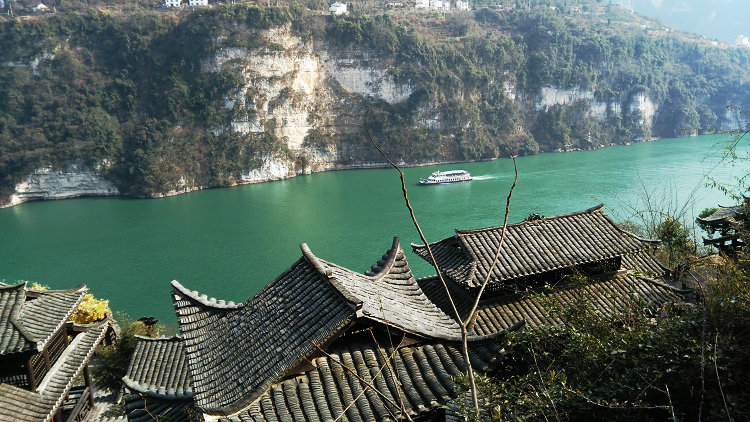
{"x":724,"y":213}
{"x":29,"y":324}
{"x":19,"y":405}
{"x":331,"y":392}
{"x":608,"y":296}
{"x":531,"y":247}
{"x":327,"y":390}
{"x":147,"y":408}
{"x":236,"y":351}
{"x":643,"y":277}
{"x":158,"y":368}
{"x":390,"y":294}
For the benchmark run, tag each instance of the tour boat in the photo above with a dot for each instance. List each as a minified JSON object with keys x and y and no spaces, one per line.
{"x":450,"y":176}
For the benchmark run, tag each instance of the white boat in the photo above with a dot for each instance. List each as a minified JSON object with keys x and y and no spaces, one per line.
{"x":450,"y":176}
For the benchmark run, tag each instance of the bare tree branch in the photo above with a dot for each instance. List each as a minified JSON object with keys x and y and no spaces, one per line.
{"x":464,"y":324}
{"x":361,"y":379}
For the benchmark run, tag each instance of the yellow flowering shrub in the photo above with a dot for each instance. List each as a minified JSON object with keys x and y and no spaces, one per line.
{"x":91,"y":310}
{"x":39,"y":287}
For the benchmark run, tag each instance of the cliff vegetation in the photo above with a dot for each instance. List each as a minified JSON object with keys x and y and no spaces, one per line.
{"x":161,"y":101}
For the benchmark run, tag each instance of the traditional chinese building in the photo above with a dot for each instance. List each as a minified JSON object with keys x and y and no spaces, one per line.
{"x":612,"y":268}
{"x":727,"y":222}
{"x":318,"y":342}
{"x":322,"y":342}
{"x":42,"y":354}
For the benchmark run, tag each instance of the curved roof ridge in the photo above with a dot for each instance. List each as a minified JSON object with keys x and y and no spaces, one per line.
{"x":79,"y":288}
{"x":314,"y":260}
{"x":158,"y":393}
{"x":9,"y":287}
{"x":378,"y":270}
{"x":15,"y":312}
{"x":448,"y":239}
{"x":327,"y":273}
{"x":621,"y":230}
{"x":661,"y":283}
{"x":160,"y":338}
{"x":597,"y":208}
{"x":204,"y":300}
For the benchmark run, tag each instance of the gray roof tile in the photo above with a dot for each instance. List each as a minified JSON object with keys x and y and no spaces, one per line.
{"x":390,"y":294}
{"x":17,"y":404}
{"x":419,"y":377}
{"x":147,"y":408}
{"x":236,"y":351}
{"x":28,"y":324}
{"x":159,"y":368}
{"x":531,"y":247}
{"x":724,"y":213}
{"x":643,"y":276}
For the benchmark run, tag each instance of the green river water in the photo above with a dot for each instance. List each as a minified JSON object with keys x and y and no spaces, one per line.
{"x":229,"y":243}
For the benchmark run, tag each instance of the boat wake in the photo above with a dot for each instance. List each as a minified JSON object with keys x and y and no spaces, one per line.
{"x":485,"y":177}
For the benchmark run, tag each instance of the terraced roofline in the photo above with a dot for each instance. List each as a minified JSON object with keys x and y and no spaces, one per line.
{"x":389,"y":294}
{"x":27,"y":325}
{"x":236,"y":351}
{"x":532,"y":247}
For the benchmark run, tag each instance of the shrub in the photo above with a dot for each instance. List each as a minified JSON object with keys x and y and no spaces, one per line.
{"x":91,"y":310}
{"x":114,"y":359}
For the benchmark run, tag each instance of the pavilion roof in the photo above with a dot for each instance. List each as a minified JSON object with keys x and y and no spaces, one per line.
{"x":531,"y":247}
{"x":20,"y":405}
{"x":342,"y":382}
{"x":159,"y":368}
{"x":363,"y":381}
{"x":389,"y":294}
{"x":29,"y":318}
{"x":235,"y":352}
{"x":642,"y":279}
{"x":723,"y":214}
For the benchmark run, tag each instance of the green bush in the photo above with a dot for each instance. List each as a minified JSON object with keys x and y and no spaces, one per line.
{"x":113,"y":360}
{"x":641,"y":363}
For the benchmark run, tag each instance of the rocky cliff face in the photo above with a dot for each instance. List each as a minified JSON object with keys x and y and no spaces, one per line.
{"x":299,"y":90}
{"x":309,"y":96}
{"x":46,"y":183}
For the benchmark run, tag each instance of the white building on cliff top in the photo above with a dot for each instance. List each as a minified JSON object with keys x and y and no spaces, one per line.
{"x":338,"y":8}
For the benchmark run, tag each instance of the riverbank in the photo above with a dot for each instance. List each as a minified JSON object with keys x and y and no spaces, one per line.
{"x":229,"y":243}
{"x":47,"y":184}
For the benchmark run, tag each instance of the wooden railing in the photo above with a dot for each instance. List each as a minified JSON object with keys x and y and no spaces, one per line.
{"x":39,"y":368}
{"x":57,"y":345}
{"x":79,"y":404}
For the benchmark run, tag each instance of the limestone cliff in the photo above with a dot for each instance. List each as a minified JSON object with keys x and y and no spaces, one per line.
{"x":240,"y":95}
{"x":73,"y":182}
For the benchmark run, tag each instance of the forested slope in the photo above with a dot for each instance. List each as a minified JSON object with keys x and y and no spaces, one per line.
{"x":159,"y":101}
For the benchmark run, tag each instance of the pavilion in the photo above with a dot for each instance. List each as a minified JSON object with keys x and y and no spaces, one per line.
{"x":42,"y":354}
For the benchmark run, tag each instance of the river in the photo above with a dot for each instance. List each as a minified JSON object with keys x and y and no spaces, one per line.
{"x":229,"y":243}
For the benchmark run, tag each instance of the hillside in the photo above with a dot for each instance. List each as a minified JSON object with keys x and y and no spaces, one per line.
{"x":158,"y":102}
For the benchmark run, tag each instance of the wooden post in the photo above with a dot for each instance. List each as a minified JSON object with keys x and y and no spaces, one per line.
{"x":87,"y":377}
{"x":30,"y":373}
{"x":45,"y":355}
